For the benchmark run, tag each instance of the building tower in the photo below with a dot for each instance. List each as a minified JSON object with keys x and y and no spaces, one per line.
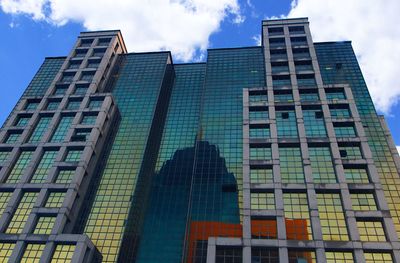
{"x":273,"y":153}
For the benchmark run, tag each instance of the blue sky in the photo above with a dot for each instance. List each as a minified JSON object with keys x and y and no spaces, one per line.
{"x":34,"y":29}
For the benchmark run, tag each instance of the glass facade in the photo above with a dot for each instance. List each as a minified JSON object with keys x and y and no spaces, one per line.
{"x":253,"y":156}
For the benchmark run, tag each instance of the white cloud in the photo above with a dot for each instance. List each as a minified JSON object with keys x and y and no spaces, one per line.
{"x":398,"y":149}
{"x":33,"y":8}
{"x":182,"y":26}
{"x":257,"y":39}
{"x":373,"y":28}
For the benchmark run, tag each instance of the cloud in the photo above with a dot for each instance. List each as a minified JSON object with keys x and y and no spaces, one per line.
{"x":373,"y":28}
{"x":33,"y":8}
{"x":181,"y":26}
{"x":398,"y":149}
{"x":257,"y":39}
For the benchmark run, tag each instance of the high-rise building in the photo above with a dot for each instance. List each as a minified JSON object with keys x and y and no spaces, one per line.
{"x":273,"y":153}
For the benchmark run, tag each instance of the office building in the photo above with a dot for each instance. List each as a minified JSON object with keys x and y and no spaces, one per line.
{"x":272,"y":153}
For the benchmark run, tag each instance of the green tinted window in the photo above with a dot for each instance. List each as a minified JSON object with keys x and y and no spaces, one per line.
{"x":40,"y":129}
{"x":322,"y":165}
{"x":286,"y":124}
{"x":291,"y":165}
{"x":62,"y":129}
{"x":314,"y":123}
{"x":44,"y":166}
{"x":19,"y":167}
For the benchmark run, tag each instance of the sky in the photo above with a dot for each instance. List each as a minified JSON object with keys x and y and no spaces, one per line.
{"x":34,"y":29}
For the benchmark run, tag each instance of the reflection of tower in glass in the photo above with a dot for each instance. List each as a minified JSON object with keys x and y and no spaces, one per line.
{"x":211,"y":195}
{"x":214,"y":202}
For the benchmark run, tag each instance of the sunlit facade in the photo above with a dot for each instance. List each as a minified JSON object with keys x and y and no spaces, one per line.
{"x":263,"y":154}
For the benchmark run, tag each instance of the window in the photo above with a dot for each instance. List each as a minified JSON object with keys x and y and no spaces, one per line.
{"x":297,"y":216}
{"x":4,"y":198}
{"x":277,"y":42}
{"x":350,"y":152}
{"x":296,"y":29}
{"x":73,"y":156}
{"x":89,"y":119}
{"x":258,"y":114}
{"x":13,"y":137}
{"x":87,"y":76}
{"x":263,"y":228}
{"x":44,"y":167}
{"x":65,"y":176}
{"x":278,"y":54}
{"x":259,"y":131}
{"x":95,"y":103}
{"x":22,"y":121}
{"x":81,"y":89}
{"x":299,"y":256}
{"x":291,"y":164}
{"x":63,"y":253}
{"x":67,"y":78}
{"x":279,"y":81}
{"x":301,"y":53}
{"x":261,"y":175}
{"x":62,"y":129}
{"x":19,"y":167}
{"x":81,"y":135}
{"x":93,"y":63}
{"x":335,"y":94}
{"x":53,"y":105}
{"x":4,"y":155}
{"x":98,"y":52}
{"x":264,"y":255}
{"x":31,"y":105}
{"x":104,"y":41}
{"x":339,"y":257}
{"x":44,"y":225}
{"x":304,"y":65}
{"x":378,"y":257}
{"x":306,"y":80}
{"x":262,"y":201}
{"x":22,"y":213}
{"x":279,"y":67}
{"x":200,"y":251}
{"x":371,"y":231}
{"x":74,"y":64}
{"x":344,"y":130}
{"x":228,"y":254}
{"x":363,"y":202}
{"x":55,"y":200}
{"x":314,"y":123}
{"x":60,"y":90}
{"x":283,"y":96}
{"x":40,"y":129}
{"x":80,"y":53}
{"x":322,"y":165}
{"x":331,"y":215}
{"x":286,"y":124}
{"x":260,"y":152}
{"x":73,"y":104}
{"x":338,"y":113}
{"x":258,"y":96}
{"x":309,"y":95}
{"x":32,"y":253}
{"x":275,"y":31}
{"x":298,"y":41}
{"x":5,"y":251}
{"x":356,"y":174}
{"x":86,"y":42}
